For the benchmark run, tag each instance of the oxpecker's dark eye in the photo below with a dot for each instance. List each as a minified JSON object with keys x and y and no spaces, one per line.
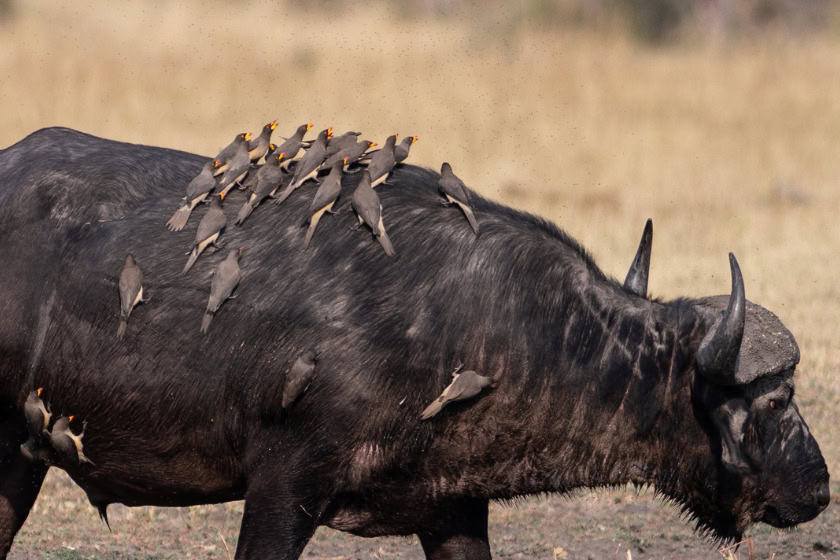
{"x":772,"y":403}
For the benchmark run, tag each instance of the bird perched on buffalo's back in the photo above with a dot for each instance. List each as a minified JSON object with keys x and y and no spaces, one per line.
{"x":292,"y":145}
{"x":225,"y":279}
{"x":325,"y":198}
{"x":299,"y":377}
{"x":240,"y":165}
{"x":269,"y":178}
{"x":131,"y":291}
{"x":401,"y":149}
{"x":341,"y":142}
{"x":307,"y":167}
{"x":366,"y":204}
{"x":259,"y":145}
{"x":382,"y":162}
{"x":251,"y":179}
{"x":352,"y":153}
{"x":456,"y":192}
{"x":67,"y":444}
{"x":227,"y":153}
{"x":464,"y":386}
{"x":198,"y":189}
{"x":209,"y":230}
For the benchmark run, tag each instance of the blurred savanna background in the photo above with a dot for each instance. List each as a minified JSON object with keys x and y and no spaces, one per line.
{"x":719,"y":119}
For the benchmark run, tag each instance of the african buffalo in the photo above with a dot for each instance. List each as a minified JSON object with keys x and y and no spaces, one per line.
{"x":595,"y":385}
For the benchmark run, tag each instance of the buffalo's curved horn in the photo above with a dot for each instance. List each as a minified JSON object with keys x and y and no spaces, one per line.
{"x":637,"y":276}
{"x":717,"y":357}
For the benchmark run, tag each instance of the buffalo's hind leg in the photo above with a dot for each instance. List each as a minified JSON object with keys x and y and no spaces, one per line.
{"x":20,"y":482}
{"x":464,"y":537}
{"x":280,"y":517}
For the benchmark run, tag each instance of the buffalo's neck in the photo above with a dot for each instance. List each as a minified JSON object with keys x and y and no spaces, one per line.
{"x":608,"y":397}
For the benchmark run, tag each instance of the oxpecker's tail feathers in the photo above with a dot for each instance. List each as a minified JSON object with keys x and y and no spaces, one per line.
{"x":179,"y":218}
{"x":84,"y":459}
{"x":470,"y":216}
{"x":385,"y":241}
{"x":191,"y":260}
{"x":432,"y":409}
{"x":121,"y":328}
{"x":243,"y":214}
{"x":313,"y":223}
{"x":205,"y":322}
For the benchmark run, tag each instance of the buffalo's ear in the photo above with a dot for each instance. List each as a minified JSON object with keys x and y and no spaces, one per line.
{"x":730,"y":419}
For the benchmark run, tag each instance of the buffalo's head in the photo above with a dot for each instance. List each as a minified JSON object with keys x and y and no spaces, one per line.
{"x":769,"y":466}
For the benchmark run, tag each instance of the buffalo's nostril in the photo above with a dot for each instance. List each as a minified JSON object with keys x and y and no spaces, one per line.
{"x":823,"y":496}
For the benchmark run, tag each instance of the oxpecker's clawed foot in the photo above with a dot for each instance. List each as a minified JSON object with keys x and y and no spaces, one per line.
{"x":444,"y":203}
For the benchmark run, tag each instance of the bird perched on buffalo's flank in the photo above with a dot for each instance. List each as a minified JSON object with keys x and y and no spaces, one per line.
{"x":229,"y":151}
{"x":299,"y":377}
{"x":198,"y":189}
{"x":36,"y":414}
{"x":401,"y":149}
{"x":131,"y":291}
{"x":259,"y":145}
{"x":292,"y":145}
{"x":269,"y":178}
{"x":37,"y":422}
{"x":464,"y":386}
{"x":352,"y":153}
{"x":366,"y":204}
{"x":67,"y":444}
{"x":382,"y":162}
{"x":225,"y":279}
{"x":338,"y":143}
{"x":456,"y":192}
{"x":240,"y":165}
{"x":324,"y":198}
{"x":307,"y":167}
{"x":209,"y":229}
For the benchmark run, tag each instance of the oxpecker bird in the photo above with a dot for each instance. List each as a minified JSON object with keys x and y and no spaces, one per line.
{"x":456,"y":193}
{"x":401,"y":149}
{"x":240,"y":165}
{"x":225,"y":280}
{"x":37,"y":414}
{"x":351,"y":153}
{"x":324,"y":198}
{"x":307,"y":167}
{"x":209,"y":229}
{"x":67,"y":444}
{"x":198,"y":189}
{"x":366,"y":204}
{"x":131,"y":291}
{"x":259,"y":145}
{"x":464,"y":386}
{"x":338,"y":143}
{"x":269,"y":178}
{"x":382,"y":162}
{"x":292,"y":145}
{"x":229,"y":151}
{"x":299,"y":377}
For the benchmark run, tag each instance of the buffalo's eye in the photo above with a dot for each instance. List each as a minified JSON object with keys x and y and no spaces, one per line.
{"x":773,"y":403}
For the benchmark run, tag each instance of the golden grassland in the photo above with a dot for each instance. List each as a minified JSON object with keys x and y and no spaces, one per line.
{"x":732,"y":147}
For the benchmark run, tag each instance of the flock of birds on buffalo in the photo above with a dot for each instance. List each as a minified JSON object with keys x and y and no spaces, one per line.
{"x":324,"y":160}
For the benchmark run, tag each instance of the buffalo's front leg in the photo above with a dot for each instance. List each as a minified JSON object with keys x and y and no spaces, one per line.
{"x":281,"y":514}
{"x":465,"y":538}
{"x":20,"y":482}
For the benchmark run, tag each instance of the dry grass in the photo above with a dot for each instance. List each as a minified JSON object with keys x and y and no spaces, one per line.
{"x":731,"y":148}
